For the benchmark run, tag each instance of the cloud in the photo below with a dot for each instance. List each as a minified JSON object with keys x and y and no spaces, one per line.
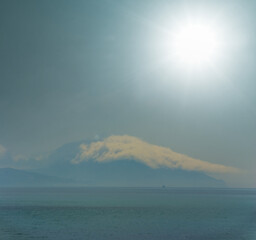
{"x":20,"y":157}
{"x":2,"y":150}
{"x":127,"y":147}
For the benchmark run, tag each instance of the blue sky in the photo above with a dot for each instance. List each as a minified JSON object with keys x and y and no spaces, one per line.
{"x":73,"y":70}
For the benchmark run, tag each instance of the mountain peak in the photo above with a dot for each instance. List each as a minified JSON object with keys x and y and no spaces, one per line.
{"x":126,"y":147}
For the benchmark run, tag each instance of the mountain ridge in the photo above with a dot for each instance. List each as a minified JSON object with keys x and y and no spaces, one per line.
{"x":89,"y":163}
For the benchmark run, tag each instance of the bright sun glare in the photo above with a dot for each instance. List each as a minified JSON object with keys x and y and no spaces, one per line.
{"x":196,"y":45}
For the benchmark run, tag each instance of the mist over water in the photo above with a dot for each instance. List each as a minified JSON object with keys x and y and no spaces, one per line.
{"x":127,"y":213}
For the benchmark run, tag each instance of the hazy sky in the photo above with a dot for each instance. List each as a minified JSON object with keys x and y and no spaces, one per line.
{"x":73,"y":70}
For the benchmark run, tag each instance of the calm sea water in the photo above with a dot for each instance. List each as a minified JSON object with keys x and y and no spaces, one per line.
{"x":127,"y":213}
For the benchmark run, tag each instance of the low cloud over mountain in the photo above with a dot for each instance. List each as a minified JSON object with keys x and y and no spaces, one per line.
{"x":126,"y":147}
{"x":113,"y":161}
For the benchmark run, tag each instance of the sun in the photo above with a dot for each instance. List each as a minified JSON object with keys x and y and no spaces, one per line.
{"x":195,"y":45}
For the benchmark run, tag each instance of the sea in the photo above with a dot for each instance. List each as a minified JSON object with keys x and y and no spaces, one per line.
{"x":127,"y":213}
